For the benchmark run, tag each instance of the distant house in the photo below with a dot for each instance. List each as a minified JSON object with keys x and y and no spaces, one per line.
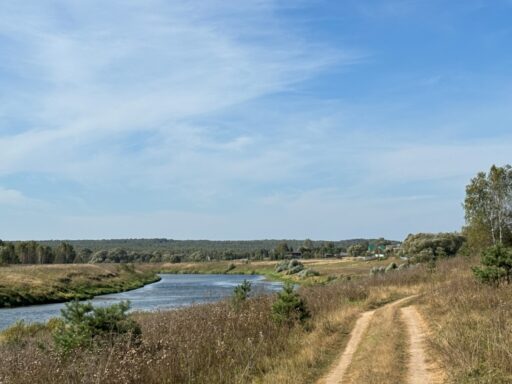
{"x":378,"y":251}
{"x":294,"y":255}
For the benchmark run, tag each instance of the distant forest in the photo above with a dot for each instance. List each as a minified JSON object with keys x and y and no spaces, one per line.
{"x":168,"y":250}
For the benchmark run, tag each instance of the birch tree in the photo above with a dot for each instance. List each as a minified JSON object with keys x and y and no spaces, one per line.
{"x":488,"y":203}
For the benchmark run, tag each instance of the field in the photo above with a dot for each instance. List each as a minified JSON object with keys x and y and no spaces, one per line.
{"x":328,"y":269}
{"x":469,"y":334}
{"x":23,"y":285}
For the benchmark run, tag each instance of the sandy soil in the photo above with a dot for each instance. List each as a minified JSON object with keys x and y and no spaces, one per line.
{"x":421,"y":370}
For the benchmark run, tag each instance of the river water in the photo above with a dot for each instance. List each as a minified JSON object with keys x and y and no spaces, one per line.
{"x":172,"y":291}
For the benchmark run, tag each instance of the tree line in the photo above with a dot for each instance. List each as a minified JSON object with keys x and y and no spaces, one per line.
{"x":174,"y":251}
{"x":31,"y":252}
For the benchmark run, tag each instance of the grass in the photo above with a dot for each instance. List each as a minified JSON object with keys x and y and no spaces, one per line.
{"x":214,"y":343}
{"x":38,"y":284}
{"x":471,"y":325}
{"x":471,"y":334}
{"x":329,"y":269}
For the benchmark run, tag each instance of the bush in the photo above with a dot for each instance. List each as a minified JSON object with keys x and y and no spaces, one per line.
{"x":391,"y":267}
{"x":84,"y":324}
{"x":241,"y":293}
{"x":282,"y":266}
{"x":20,"y":331}
{"x":423,"y":246}
{"x":175,"y":259}
{"x":295,"y":269}
{"x":308,"y":273}
{"x":289,"y":308}
{"x":290,"y":267}
{"x":496,"y":266}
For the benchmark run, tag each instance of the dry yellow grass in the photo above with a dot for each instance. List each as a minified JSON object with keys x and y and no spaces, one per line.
{"x":471,"y":325}
{"x":30,"y":284}
{"x":471,"y":334}
{"x":310,"y":354}
{"x":214,"y":343}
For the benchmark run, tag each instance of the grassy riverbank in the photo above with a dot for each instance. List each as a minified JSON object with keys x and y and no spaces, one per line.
{"x":328,"y":269}
{"x":25,"y":285}
{"x":40,"y":284}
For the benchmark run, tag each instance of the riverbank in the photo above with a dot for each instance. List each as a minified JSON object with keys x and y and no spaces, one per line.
{"x":327,"y":269}
{"x":44,"y":284}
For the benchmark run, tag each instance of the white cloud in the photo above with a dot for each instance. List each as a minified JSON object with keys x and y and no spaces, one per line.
{"x":157,"y":65}
{"x":10,"y":197}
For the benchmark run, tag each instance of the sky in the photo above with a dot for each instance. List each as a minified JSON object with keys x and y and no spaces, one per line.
{"x":227,"y":119}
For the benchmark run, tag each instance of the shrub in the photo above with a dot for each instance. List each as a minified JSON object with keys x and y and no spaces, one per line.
{"x":175,"y":259}
{"x":295,"y":269}
{"x":290,"y":267}
{"x":20,"y":331}
{"x":84,"y":324}
{"x":391,"y":267}
{"x":308,"y":273}
{"x":496,"y":265}
{"x":423,"y":246}
{"x":241,"y":292}
{"x":401,"y":266}
{"x":289,"y":308}
{"x":282,"y":266}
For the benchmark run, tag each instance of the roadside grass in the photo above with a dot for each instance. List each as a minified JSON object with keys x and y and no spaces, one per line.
{"x":38,"y":284}
{"x":471,"y":325}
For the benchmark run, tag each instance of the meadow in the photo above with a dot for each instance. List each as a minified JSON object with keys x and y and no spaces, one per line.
{"x":220,"y":343}
{"x":40,"y":284}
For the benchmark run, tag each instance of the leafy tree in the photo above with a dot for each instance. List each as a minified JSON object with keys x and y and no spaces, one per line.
{"x":65,"y":253}
{"x":358,"y":249}
{"x":282,"y":249}
{"x":289,"y":308}
{"x":426,"y":246}
{"x":8,"y":254}
{"x":488,"y":204}
{"x":26,"y":252}
{"x":308,"y":244}
{"x":496,"y":265}
{"x":83,"y":256}
{"x":44,"y":254}
{"x":327,"y":247}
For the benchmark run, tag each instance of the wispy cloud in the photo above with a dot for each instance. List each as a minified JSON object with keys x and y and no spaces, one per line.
{"x":130,"y":117}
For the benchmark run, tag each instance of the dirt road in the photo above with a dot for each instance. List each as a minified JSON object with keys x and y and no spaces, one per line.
{"x":419,"y":371}
{"x":336,"y":375}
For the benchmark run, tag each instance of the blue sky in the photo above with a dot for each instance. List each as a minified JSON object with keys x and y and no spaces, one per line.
{"x":248,"y":119}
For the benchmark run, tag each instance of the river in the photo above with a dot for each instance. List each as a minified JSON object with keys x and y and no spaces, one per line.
{"x":172,"y":291}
